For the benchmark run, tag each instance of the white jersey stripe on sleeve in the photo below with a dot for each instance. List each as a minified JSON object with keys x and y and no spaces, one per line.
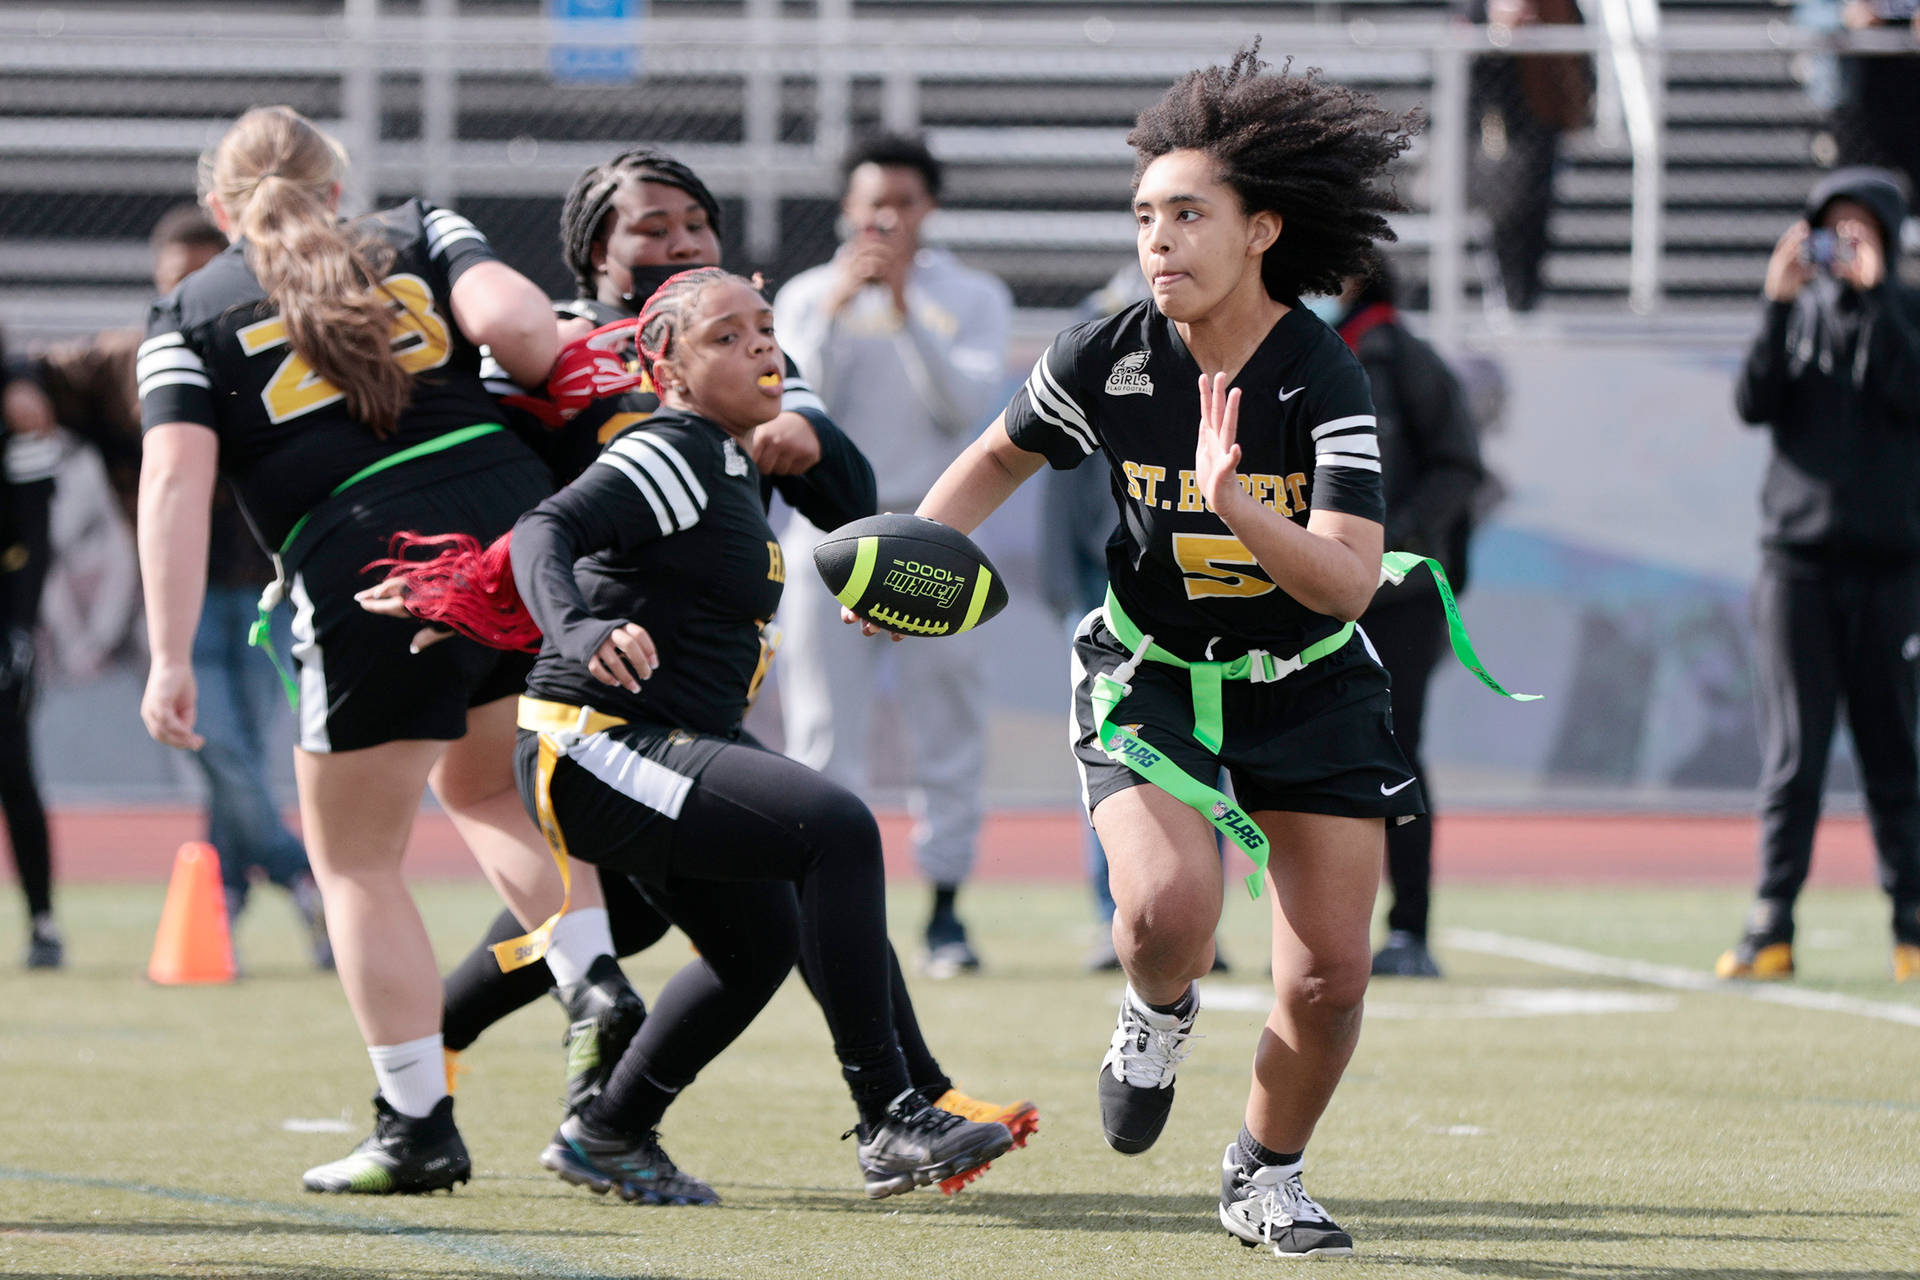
{"x":798,"y":397}
{"x":173,"y":378}
{"x":1062,"y":402}
{"x":647,"y":440}
{"x":1057,"y":408}
{"x":1347,"y":460}
{"x":1364,"y":443}
{"x":684,"y":503}
{"x":168,"y":358}
{"x":1345,"y":424}
{"x":647,"y":491}
{"x":158,"y":341}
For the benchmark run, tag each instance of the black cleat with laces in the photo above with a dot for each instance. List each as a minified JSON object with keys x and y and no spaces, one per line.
{"x":603,"y":1015}
{"x":1267,"y":1205}
{"x":637,"y":1167}
{"x":405,"y":1155}
{"x":919,"y":1144}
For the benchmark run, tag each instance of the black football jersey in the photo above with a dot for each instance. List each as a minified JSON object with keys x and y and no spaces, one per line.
{"x":666,"y":528}
{"x":570,"y":447}
{"x":1126,"y":385}
{"x":217,"y":355}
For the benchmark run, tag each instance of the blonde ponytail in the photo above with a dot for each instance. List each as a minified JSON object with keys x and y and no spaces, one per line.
{"x":274,"y":174}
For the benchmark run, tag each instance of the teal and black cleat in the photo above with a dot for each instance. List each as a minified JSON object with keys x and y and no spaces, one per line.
{"x":404,"y":1155}
{"x":637,"y":1167}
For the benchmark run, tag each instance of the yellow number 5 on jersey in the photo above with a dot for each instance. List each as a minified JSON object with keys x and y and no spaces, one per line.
{"x":1216,"y":565}
{"x":421,"y":341}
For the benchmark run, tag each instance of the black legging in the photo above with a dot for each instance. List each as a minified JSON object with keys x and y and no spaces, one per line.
{"x":768,"y":829}
{"x":478,"y":994}
{"x":1409,"y":635}
{"x":23,"y":573}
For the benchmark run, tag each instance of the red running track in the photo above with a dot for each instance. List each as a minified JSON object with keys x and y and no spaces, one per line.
{"x":118,"y":845}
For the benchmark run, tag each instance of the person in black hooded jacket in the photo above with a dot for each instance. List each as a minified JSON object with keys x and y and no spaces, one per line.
{"x":1430,"y":468}
{"x":1834,"y":375}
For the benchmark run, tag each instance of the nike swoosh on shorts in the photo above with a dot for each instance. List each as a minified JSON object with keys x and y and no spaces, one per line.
{"x":1386,"y":790}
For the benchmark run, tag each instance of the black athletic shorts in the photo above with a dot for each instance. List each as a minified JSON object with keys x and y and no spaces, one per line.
{"x":359,"y":686}
{"x":1319,"y":741}
{"x":618,"y":794}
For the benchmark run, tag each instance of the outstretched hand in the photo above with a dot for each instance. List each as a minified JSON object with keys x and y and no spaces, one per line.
{"x":1216,"y":457}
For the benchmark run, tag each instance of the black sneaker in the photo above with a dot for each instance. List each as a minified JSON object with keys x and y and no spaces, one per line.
{"x":639,"y":1168}
{"x":919,"y":1144}
{"x":45,"y":949}
{"x":949,"y":954}
{"x":1404,"y":956}
{"x":603,"y":1015}
{"x":1268,"y":1206}
{"x":403,"y":1156}
{"x":1136,"y":1076}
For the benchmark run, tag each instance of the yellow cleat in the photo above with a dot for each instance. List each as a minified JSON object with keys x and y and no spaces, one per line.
{"x":1021,"y":1118}
{"x":1769,"y":963}
{"x":455,"y":1069}
{"x":1906,"y":961}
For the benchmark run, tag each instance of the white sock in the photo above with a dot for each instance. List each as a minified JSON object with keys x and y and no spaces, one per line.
{"x":412,"y":1076}
{"x":580,"y":938}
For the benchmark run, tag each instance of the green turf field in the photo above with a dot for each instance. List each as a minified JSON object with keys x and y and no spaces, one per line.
{"x":1520,"y":1119}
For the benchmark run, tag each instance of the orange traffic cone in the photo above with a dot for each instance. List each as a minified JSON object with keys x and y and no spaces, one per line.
{"x":192,"y":944}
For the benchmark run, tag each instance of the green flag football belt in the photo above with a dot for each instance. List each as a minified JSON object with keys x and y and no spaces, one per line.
{"x":1124,"y":746}
{"x":260,"y":634}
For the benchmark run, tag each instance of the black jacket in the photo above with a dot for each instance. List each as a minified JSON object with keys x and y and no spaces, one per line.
{"x":1835,"y":377}
{"x":1429,"y":444}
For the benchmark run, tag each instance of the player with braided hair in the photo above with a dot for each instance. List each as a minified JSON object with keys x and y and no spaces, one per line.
{"x":1250,"y":539}
{"x":652,"y":577}
{"x":626,"y":227}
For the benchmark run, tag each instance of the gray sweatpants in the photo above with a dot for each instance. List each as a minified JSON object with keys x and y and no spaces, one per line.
{"x":829,"y":676}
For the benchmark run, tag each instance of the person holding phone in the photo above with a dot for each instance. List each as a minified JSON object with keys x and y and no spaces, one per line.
{"x":1834,"y":375}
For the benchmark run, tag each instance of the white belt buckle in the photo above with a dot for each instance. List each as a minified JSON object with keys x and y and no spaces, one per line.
{"x":1267,"y":669}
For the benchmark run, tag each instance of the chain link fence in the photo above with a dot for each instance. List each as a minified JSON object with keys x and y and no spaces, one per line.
{"x":1616,"y":156}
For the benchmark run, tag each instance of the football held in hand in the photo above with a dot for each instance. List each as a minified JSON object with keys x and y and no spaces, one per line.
{"x":910,"y":575}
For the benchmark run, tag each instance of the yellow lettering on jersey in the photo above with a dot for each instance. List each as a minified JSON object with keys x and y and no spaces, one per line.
{"x":421,"y":341}
{"x":1132,"y":470}
{"x":1190,"y":499}
{"x":1214,"y":564}
{"x":619,"y":422}
{"x":1262,"y":489}
{"x":776,"y":563}
{"x":1297,"y":486}
{"x":1152,"y":476}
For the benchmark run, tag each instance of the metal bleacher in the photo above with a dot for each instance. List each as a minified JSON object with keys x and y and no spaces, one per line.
{"x":104,"y":106}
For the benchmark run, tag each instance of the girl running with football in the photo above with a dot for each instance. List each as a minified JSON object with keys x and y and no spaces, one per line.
{"x":1240,"y":436}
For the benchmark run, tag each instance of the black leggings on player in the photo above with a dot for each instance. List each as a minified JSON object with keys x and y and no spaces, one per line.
{"x":22,"y":578}
{"x":478,"y":994}
{"x":755,"y":832}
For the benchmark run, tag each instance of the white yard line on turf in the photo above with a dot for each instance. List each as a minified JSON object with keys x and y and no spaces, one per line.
{"x":1572,"y":960}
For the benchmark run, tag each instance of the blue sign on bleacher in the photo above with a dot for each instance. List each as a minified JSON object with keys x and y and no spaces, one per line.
{"x":591,"y":41}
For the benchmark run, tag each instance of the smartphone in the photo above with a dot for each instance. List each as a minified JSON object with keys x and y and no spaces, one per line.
{"x":1823,"y":250}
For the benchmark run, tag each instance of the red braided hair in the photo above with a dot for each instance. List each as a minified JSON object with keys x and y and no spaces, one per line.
{"x":661,"y":317}
{"x":463,"y":585}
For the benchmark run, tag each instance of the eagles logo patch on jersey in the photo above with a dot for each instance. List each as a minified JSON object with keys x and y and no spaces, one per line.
{"x":1128,"y":377}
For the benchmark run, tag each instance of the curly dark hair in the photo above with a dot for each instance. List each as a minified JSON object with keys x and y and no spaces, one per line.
{"x":1314,"y":152}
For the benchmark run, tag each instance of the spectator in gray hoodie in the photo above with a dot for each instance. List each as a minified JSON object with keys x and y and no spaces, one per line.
{"x":908,"y":349}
